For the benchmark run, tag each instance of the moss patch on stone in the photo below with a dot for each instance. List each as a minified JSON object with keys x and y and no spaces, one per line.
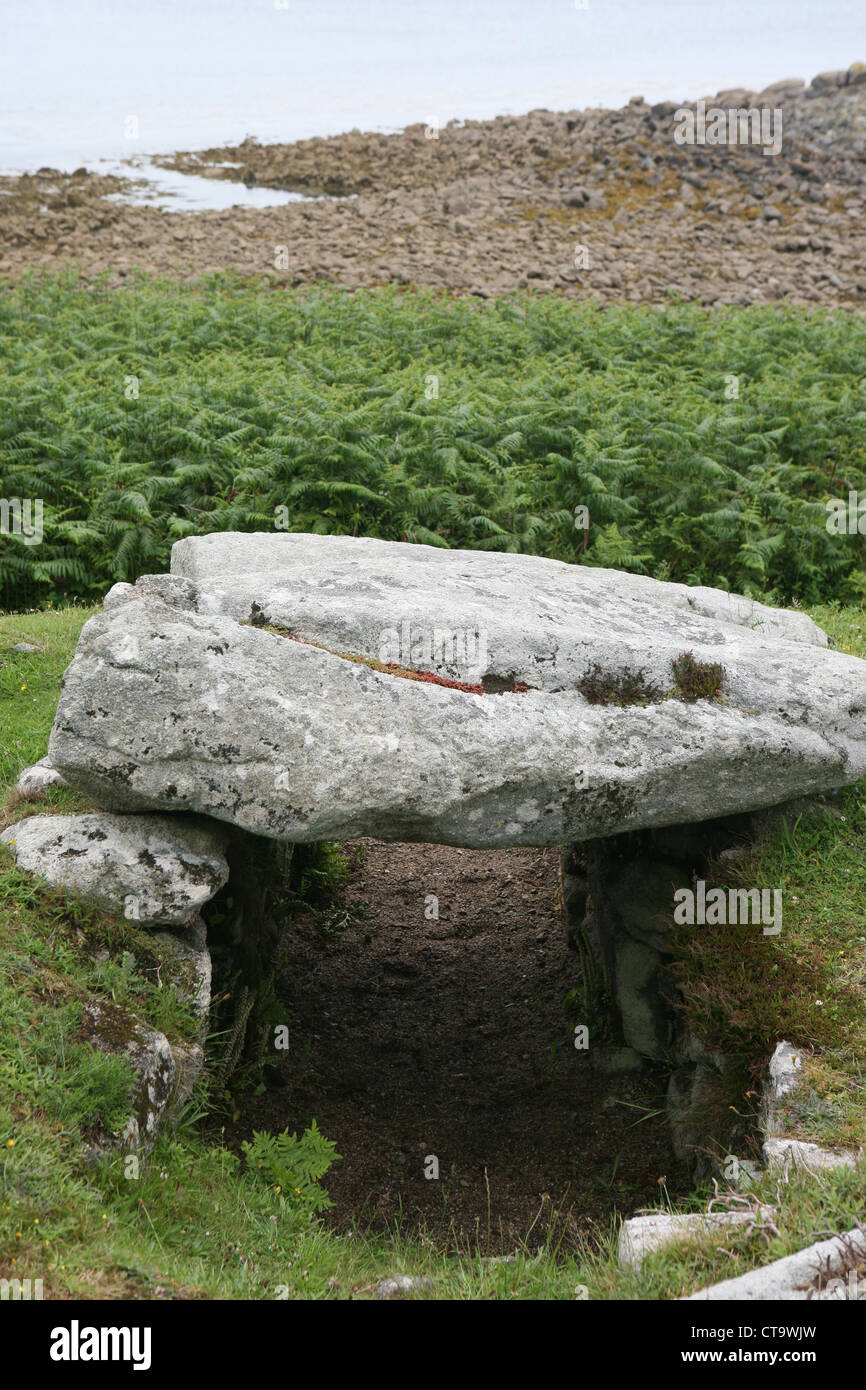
{"x":621,"y":687}
{"x":697,"y":680}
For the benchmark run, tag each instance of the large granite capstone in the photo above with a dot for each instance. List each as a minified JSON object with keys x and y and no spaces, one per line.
{"x":189,"y":694}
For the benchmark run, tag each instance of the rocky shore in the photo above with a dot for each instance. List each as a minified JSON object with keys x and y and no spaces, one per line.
{"x":594,"y":204}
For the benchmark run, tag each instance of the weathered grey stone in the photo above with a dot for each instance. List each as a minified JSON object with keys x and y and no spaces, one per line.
{"x":784,"y":1154}
{"x":785,"y":1064}
{"x":793,"y":1277}
{"x":400,"y":1284}
{"x":166,"y":1072}
{"x":827,"y":81}
{"x":784,"y":90}
{"x":189,"y":950}
{"x":153,"y":869}
{"x":641,"y":1235}
{"x":174,"y":709}
{"x":39,"y":776}
{"x":697,"y":1116}
{"x":779,"y":1112}
{"x":536,"y":611}
{"x":618,"y":904}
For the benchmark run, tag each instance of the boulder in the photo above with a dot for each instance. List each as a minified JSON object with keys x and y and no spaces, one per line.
{"x":784,"y":1067}
{"x":641,"y":1235}
{"x":189,"y":694}
{"x":352,"y":588}
{"x":829,"y":81}
{"x":39,"y":776}
{"x":165,"y":1075}
{"x":191,"y":967}
{"x":399,"y":1285}
{"x":787,"y":89}
{"x":794,"y":1277}
{"x":784,"y":1154}
{"x":156,"y":870}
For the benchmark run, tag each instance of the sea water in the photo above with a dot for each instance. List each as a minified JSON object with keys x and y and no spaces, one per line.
{"x":94,"y":82}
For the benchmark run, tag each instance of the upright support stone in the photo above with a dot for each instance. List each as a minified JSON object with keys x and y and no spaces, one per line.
{"x":618,"y":903}
{"x":246,"y":925}
{"x":618,"y":907}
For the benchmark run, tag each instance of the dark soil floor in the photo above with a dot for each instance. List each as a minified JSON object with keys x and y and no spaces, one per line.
{"x":412,"y":1037}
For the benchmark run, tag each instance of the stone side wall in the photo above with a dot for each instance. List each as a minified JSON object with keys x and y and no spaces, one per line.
{"x":618,"y":909}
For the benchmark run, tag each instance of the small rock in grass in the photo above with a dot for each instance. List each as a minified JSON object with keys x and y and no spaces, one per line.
{"x":39,"y":776}
{"x":641,"y":1235}
{"x":784,"y":1154}
{"x":402,"y":1284}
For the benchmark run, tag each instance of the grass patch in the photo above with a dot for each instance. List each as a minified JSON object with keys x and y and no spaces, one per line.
{"x":806,"y":1210}
{"x":744,"y":992}
{"x":30,"y":682}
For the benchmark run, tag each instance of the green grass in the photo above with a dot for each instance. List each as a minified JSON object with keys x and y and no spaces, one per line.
{"x":196,"y":1224}
{"x":744,"y":992}
{"x":806,"y":1209}
{"x":30,"y":684}
{"x":163,"y":410}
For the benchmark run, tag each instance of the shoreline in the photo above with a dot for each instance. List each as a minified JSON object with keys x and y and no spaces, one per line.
{"x":599,"y":204}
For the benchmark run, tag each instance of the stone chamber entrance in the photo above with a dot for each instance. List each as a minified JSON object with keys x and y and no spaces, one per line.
{"x":638,"y":724}
{"x":431,"y":1011}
